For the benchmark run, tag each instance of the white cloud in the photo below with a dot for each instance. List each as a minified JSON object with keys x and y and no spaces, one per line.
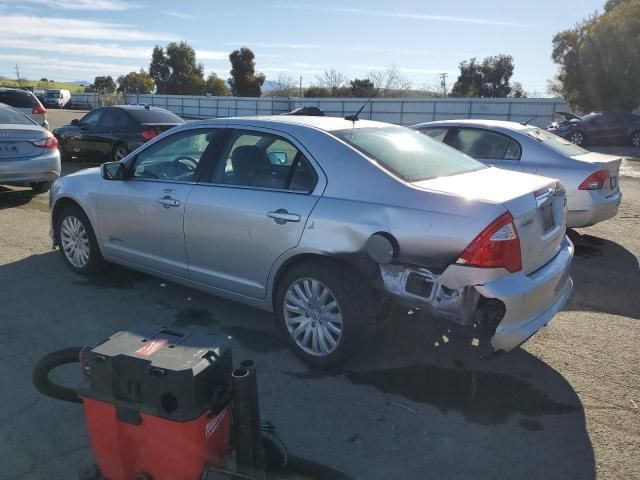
{"x":183,"y":16}
{"x":70,"y":48}
{"x":211,"y":55}
{"x":344,"y":48}
{"x":407,"y":15}
{"x":33,"y":62}
{"x":112,"y":5}
{"x":22,"y":25}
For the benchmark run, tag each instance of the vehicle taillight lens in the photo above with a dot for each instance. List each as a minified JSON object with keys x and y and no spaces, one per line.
{"x":149,"y":134}
{"x":38,"y":110}
{"x":595,"y":181}
{"x":49,"y":142}
{"x":497,"y":246}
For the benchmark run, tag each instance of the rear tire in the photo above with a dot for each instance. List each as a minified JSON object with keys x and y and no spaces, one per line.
{"x":577,"y":137}
{"x":77,"y":242}
{"x":119,"y":152}
{"x":40,"y":187}
{"x":325,"y":312}
{"x":635,"y":139}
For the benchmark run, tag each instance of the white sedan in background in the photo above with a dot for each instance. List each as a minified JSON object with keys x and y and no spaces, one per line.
{"x":590,"y":179}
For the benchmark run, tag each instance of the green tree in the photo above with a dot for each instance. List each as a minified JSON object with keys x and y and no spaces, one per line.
{"x":244,"y":81}
{"x":611,"y":4}
{"x":135,"y":82}
{"x":104,"y":85}
{"x":317,"y":92}
{"x":490,"y":78}
{"x":175,"y":71}
{"x":599,"y":63}
{"x":362,"y":87}
{"x":216,"y":86}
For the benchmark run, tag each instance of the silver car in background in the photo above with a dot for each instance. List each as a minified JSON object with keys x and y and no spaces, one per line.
{"x":28,"y":152}
{"x":322,"y":221}
{"x":590,"y":179}
{"x":26,"y":102}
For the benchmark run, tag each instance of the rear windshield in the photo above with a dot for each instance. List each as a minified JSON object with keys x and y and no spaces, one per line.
{"x":554,"y":142}
{"x":11,"y":117}
{"x":18,"y":99}
{"x":155,"y":116}
{"x":408,"y":154}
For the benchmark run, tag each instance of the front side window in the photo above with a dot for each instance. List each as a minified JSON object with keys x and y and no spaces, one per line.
{"x":482,"y":144}
{"x":256,"y":159}
{"x":408,"y":154}
{"x":173,"y":159}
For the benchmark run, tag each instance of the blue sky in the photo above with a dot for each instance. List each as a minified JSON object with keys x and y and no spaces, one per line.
{"x":78,"y":39}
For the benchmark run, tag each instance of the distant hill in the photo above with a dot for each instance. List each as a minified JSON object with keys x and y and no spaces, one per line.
{"x":269,"y":85}
{"x":81,"y":83}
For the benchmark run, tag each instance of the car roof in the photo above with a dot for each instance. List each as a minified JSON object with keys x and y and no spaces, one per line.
{"x":493,"y":124}
{"x":11,"y":89}
{"x":328,"y":124}
{"x":140,"y":107}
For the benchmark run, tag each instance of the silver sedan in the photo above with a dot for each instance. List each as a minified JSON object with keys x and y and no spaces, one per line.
{"x":591,"y":179}
{"x":323,"y":221}
{"x":28,"y":152}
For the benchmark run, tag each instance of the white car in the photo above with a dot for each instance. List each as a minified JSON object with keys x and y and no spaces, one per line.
{"x":57,"y":97}
{"x":590,"y":179}
{"x":25,"y":102}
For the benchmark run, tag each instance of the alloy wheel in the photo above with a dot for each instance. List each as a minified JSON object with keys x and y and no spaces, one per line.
{"x":313,"y":317}
{"x":635,"y":139}
{"x":119,"y":153}
{"x":75,"y":242}
{"x":577,"y":138}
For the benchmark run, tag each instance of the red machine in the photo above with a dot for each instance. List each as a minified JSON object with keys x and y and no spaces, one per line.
{"x":157,"y":403}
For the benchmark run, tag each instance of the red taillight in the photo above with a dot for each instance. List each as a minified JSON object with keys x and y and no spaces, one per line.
{"x":595,"y":181}
{"x":49,"y":142}
{"x":497,"y":246}
{"x":38,"y":110}
{"x":149,"y":134}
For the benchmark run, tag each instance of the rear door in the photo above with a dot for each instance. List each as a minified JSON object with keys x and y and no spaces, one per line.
{"x":251,"y":210}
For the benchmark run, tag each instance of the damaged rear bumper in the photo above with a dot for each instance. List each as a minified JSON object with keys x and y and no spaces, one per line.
{"x":461,"y":293}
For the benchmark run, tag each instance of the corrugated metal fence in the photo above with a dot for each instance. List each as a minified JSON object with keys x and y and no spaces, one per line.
{"x":402,"y":111}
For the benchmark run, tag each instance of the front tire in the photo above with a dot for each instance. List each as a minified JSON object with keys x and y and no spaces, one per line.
{"x":325,"y":312}
{"x":635,"y":139}
{"x":577,"y":137}
{"x":77,"y":241}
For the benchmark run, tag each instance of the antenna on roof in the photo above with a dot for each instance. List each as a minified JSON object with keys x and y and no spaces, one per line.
{"x":354,"y":117}
{"x":530,"y":120}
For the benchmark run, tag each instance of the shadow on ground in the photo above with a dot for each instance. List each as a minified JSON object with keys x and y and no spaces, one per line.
{"x":417,"y":400}
{"x":602,"y":272}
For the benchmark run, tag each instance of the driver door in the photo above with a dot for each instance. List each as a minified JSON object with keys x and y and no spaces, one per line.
{"x":141,"y":217}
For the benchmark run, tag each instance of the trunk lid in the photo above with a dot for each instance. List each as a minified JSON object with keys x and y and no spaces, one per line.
{"x":18,"y":142}
{"x":537,"y":206}
{"x":601,"y":161}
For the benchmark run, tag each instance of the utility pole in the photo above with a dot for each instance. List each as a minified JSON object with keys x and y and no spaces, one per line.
{"x":443,"y":83}
{"x":300,"y":85}
{"x":18,"y":75}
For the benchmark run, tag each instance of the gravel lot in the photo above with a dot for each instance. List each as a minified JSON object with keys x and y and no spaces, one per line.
{"x":414,"y":406}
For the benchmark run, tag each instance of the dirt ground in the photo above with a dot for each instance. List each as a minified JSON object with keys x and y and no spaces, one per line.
{"x":417,"y":404}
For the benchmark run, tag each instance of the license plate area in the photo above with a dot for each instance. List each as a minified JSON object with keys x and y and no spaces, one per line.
{"x":8,"y":148}
{"x":548,"y":218}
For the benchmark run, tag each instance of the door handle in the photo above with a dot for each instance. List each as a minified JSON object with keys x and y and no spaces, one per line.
{"x":167,"y":202}
{"x":281,"y":216}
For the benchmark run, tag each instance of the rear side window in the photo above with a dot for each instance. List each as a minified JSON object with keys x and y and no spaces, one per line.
{"x":18,"y":99}
{"x":257,"y":159}
{"x":12,"y":117}
{"x":483,"y":144}
{"x":408,"y":154}
{"x":155,"y":116}
{"x":437,"y":134}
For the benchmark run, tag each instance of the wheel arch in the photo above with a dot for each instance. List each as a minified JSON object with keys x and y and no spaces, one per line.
{"x":58,"y":207}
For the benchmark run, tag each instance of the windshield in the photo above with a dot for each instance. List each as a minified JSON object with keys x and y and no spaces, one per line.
{"x":590,"y":116}
{"x":53,"y":93}
{"x":559,"y":144}
{"x":408,"y":154}
{"x":12,"y":117}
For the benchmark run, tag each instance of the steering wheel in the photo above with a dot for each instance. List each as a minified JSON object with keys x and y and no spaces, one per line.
{"x":185,"y":161}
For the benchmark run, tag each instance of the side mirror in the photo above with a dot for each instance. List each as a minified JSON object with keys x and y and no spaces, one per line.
{"x":75,"y":122}
{"x":277,"y":158}
{"x":112,"y":171}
